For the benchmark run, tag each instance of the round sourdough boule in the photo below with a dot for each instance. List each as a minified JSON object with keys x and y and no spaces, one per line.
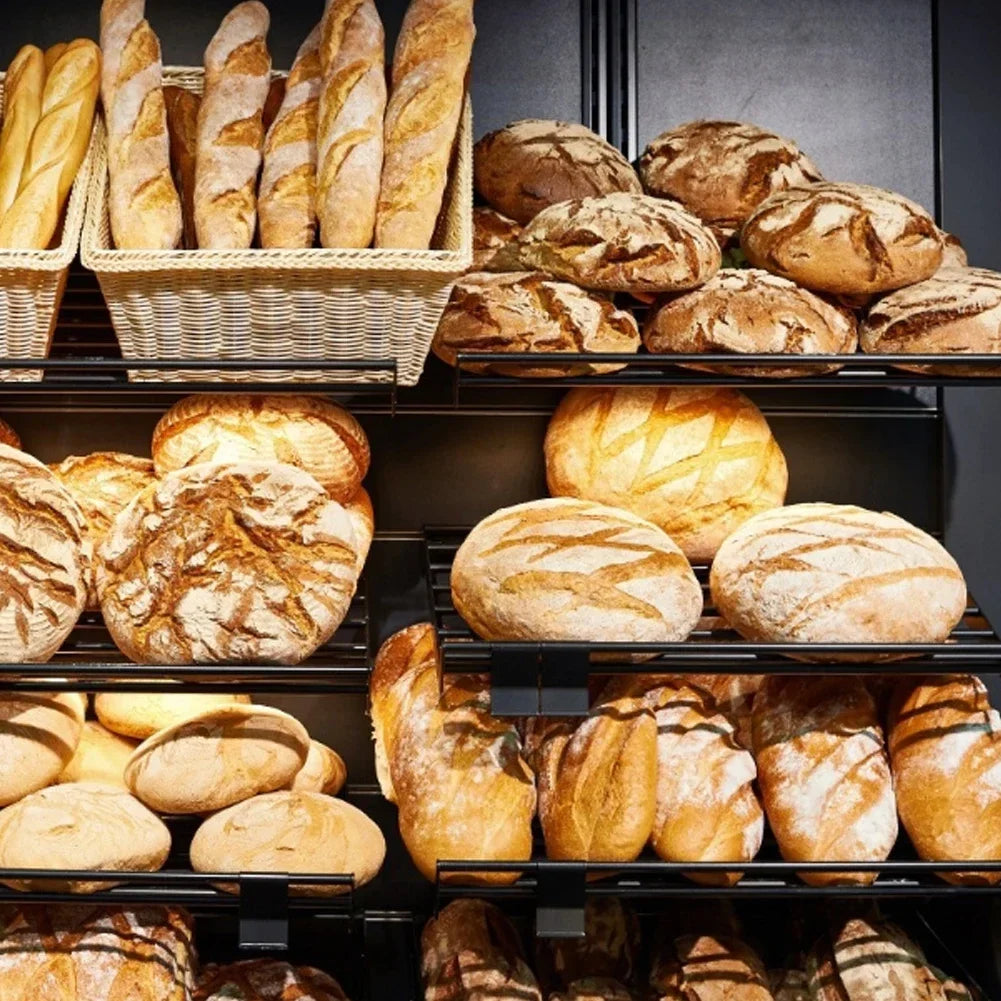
{"x":304,"y":431}
{"x":102,"y":483}
{"x":563,"y":569}
{"x":529,"y":312}
{"x":362,"y":516}
{"x":266,"y":980}
{"x":8,"y":436}
{"x":101,"y":756}
{"x":834,"y":573}
{"x":722,"y":170}
{"x":45,"y":557}
{"x":324,"y":771}
{"x":621,"y":243}
{"x":750,"y":311}
{"x":228,"y":563}
{"x":533,"y":163}
{"x":291,"y":831}
{"x":39,"y":733}
{"x":493,"y":240}
{"x":141,"y":714}
{"x":80,"y":825}
{"x":843,"y":238}
{"x":217,"y":758}
{"x":696,"y":462}
{"x":956,"y":311}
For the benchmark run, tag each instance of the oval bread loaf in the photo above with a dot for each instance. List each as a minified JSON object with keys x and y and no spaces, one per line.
{"x":834,"y":573}
{"x":267,"y":980}
{"x":218,"y":758}
{"x":566,"y":569}
{"x":324,"y":771}
{"x":101,"y":756}
{"x":141,"y":714}
{"x":696,"y":462}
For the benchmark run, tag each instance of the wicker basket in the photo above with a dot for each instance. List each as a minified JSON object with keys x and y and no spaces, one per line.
{"x":32,"y":282}
{"x":280,"y":305}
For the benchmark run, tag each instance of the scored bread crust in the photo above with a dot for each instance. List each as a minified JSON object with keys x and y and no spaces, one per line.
{"x":621,"y":243}
{"x":843,"y":238}
{"x":494,"y":236}
{"x":708,"y":968}
{"x":266,"y":980}
{"x":533,"y":163}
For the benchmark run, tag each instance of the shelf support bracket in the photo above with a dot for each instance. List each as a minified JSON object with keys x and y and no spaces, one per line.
{"x":263,"y":911}
{"x":562,"y":893}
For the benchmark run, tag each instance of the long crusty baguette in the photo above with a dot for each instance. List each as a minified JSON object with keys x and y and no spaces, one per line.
{"x":143,"y":204}
{"x":58,"y":146}
{"x":182,"y":126}
{"x":429,"y":80}
{"x":285,"y":201}
{"x":230,"y":129}
{"x":350,"y":136}
{"x":22,"y":108}
{"x":52,"y":54}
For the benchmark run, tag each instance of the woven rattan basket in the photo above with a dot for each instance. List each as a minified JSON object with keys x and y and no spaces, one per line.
{"x":280,"y":305}
{"x":32,"y":282}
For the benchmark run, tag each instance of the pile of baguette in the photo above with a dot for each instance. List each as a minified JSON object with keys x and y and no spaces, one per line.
{"x":727,"y":237}
{"x":257,"y":161}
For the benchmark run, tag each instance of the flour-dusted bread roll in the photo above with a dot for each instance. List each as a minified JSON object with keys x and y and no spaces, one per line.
{"x":75,"y":952}
{"x":945,"y":746}
{"x":39,"y":734}
{"x":843,"y":238}
{"x":323,"y":771}
{"x":621,"y":243}
{"x":314,"y":434}
{"x":957,"y":311}
{"x":834,"y":573}
{"x":824,"y":774}
{"x":101,"y":756}
{"x":80,"y":825}
{"x":750,"y":311}
{"x":102,"y":483}
{"x":217,"y":758}
{"x":708,"y":967}
{"x":141,"y":714}
{"x":291,"y":831}
{"x":526,"y":311}
{"x":534,"y":163}
{"x":494,"y":237}
{"x":225,"y":563}
{"x":44,"y":563}
{"x":722,"y":170}
{"x":362,"y":515}
{"x":565,"y":569}
{"x":698,"y":461}
{"x":267,"y":980}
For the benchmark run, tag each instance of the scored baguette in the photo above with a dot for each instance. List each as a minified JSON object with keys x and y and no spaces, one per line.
{"x":23,"y":89}
{"x":182,"y":126}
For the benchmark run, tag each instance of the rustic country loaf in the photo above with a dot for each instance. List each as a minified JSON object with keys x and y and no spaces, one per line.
{"x":834,"y":573}
{"x":706,"y":967}
{"x":494,"y":237}
{"x":291,"y":831}
{"x":524,"y":311}
{"x":8,"y":436}
{"x":956,"y":311}
{"x":314,"y":434}
{"x":534,"y":163}
{"x":697,"y":462}
{"x":44,"y":558}
{"x":824,"y":774}
{"x":621,"y":243}
{"x":565,"y":569}
{"x":323,"y":771}
{"x":101,"y":756}
{"x":228,"y":562}
{"x":85,"y":953}
{"x":749,"y":311}
{"x":80,"y":825}
{"x":141,"y":714}
{"x":266,"y":980}
{"x":722,"y":170}
{"x":945,"y":746}
{"x":217,"y":758}
{"x":843,"y":238}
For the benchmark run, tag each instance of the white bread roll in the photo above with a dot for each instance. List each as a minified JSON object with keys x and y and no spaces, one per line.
{"x":141,"y":714}
{"x":324,"y":771}
{"x":218,"y":758}
{"x":101,"y":756}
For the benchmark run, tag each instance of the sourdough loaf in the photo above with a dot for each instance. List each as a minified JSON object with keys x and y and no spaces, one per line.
{"x":101,"y":756}
{"x":696,"y":462}
{"x":324,"y":771}
{"x":267,"y":980}
{"x":494,"y":237}
{"x":141,"y":714}
{"x":707,"y":967}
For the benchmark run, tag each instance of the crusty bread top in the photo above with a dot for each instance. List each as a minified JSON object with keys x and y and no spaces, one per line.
{"x":103,"y":483}
{"x":266,"y":980}
{"x":493,"y":233}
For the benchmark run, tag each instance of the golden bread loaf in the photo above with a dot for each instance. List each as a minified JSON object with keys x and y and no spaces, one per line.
{"x":563,"y":569}
{"x":141,"y":714}
{"x":217,"y":758}
{"x":101,"y":756}
{"x":182,"y":127}
{"x":824,"y":774}
{"x":23,"y":87}
{"x":708,"y":967}
{"x":262,"y":567}
{"x":494,"y":237}
{"x":323,"y":771}
{"x":266,"y":980}
{"x":834,"y":573}
{"x":314,"y":434}
{"x":697,"y":462}
{"x":362,"y":516}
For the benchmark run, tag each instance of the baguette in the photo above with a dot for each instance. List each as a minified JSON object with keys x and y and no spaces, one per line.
{"x":58,"y":146}
{"x":230,"y":129}
{"x":182,"y":126}
{"x":288,"y":180}
{"x":143,"y":203}
{"x":350,"y":138}
{"x":52,"y":54}
{"x":429,"y":79}
{"x":23,"y":89}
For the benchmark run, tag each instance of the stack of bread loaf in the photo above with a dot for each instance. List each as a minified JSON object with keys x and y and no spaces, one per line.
{"x":262,"y":161}
{"x":727,"y":232}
